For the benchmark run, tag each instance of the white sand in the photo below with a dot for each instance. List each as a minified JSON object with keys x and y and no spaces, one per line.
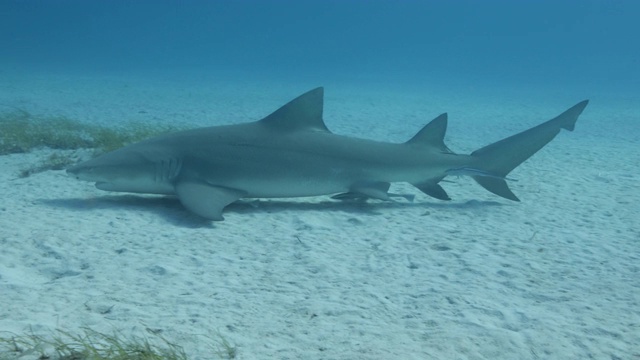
{"x":555,"y":276}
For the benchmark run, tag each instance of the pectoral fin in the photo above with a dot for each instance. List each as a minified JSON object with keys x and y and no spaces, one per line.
{"x":206,"y":200}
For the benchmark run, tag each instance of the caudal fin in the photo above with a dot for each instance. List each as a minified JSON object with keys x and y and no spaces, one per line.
{"x":499,"y":158}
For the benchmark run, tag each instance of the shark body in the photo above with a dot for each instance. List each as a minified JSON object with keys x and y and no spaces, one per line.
{"x":291,"y":153}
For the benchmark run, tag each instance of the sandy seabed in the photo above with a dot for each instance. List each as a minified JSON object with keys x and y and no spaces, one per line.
{"x":556,"y":276}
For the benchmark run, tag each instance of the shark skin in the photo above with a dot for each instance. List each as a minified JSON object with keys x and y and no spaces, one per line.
{"x":291,"y":153}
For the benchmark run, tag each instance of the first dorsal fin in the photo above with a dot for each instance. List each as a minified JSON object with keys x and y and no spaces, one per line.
{"x":432,"y":134}
{"x":303,"y":113}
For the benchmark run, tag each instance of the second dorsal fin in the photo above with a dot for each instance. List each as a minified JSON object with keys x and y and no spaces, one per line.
{"x":432,"y":134}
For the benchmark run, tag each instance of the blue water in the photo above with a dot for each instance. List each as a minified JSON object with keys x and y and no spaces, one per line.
{"x":586,"y":45}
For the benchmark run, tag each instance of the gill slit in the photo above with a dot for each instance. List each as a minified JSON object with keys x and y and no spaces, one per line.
{"x":167,"y":170}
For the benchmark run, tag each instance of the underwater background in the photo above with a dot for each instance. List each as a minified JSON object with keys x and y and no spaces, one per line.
{"x":469,"y":45}
{"x":555,"y":276}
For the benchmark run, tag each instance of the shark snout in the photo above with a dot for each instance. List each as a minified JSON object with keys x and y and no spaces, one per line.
{"x":83,"y":172}
{"x":75,"y":171}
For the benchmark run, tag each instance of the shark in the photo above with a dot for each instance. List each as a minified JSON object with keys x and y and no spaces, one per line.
{"x":292,"y":153}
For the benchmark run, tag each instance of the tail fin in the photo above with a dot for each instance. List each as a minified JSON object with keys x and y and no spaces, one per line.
{"x":499,"y":158}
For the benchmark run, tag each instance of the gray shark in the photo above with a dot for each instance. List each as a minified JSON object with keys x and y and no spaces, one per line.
{"x":292,"y":153}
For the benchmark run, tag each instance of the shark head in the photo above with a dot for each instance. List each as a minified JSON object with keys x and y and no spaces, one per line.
{"x":130,"y":171}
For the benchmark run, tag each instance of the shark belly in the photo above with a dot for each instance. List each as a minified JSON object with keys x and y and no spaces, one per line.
{"x":298,"y":179}
{"x":279,"y":182}
{"x":291,"y":175}
{"x":291,"y":187}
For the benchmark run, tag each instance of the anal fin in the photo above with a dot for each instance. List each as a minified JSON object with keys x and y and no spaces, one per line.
{"x":432,"y":189}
